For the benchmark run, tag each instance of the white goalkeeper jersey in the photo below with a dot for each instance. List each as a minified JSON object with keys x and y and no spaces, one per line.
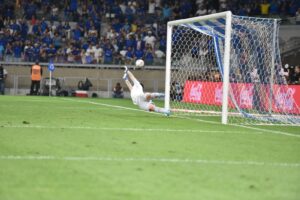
{"x":137,"y":93}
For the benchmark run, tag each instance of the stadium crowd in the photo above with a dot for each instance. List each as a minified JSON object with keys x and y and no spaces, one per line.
{"x":107,"y":31}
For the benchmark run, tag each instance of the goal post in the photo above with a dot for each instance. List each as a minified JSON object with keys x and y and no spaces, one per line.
{"x":228,"y":67}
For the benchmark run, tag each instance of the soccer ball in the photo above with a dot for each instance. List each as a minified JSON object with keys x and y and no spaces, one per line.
{"x":139,"y":63}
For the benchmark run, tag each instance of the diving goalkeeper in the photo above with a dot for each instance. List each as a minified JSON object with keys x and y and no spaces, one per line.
{"x":143,"y":100}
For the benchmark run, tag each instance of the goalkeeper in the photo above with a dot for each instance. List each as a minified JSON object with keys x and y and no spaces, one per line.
{"x":143,"y":100}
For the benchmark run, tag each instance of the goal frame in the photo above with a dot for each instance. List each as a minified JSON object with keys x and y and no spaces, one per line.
{"x":226,"y":63}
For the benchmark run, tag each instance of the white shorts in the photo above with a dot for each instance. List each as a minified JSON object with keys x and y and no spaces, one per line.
{"x":138,"y":97}
{"x":137,"y":93}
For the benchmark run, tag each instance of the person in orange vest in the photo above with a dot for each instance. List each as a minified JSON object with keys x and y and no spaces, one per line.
{"x":36,"y":76}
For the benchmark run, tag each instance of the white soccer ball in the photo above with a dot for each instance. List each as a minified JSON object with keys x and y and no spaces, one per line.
{"x":139,"y":63}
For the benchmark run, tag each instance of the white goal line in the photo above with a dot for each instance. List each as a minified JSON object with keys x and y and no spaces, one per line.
{"x":158,"y":160}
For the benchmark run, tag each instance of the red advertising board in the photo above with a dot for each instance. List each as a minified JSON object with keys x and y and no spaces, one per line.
{"x":246,"y":95}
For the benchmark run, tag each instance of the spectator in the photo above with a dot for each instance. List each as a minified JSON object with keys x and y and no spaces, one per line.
{"x":77,"y":32}
{"x":54,"y":13}
{"x":1,"y":51}
{"x":89,"y":54}
{"x":17,"y":51}
{"x":150,"y":39}
{"x":36,"y":29}
{"x":26,"y":51}
{"x":36,"y":76}
{"x":151,"y":6}
{"x":129,"y":56}
{"x":50,"y":52}
{"x":295,"y":77}
{"x":274,"y":7}
{"x":30,"y":10}
{"x":98,"y":54}
{"x":167,"y":12}
{"x":108,"y":55}
{"x":149,"y":55}
{"x":44,"y":25}
{"x":76,"y":52}
{"x":3,"y":76}
{"x":138,"y":53}
{"x":57,"y":41}
{"x":24,"y":29}
{"x":9,"y":53}
{"x":36,"y":52}
{"x":118,"y":91}
{"x":264,"y":7}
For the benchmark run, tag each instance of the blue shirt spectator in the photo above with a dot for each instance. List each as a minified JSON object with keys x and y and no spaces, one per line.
{"x":129,"y":54}
{"x":73,"y":5}
{"x":36,"y":29}
{"x":15,"y":27}
{"x":28,"y":53}
{"x":1,"y":51}
{"x":149,"y":57}
{"x":17,"y":49}
{"x":139,"y":54}
{"x":108,"y":55}
{"x":77,"y":33}
{"x":30,"y":10}
{"x":36,"y":52}
{"x":274,"y":7}
{"x":117,"y":25}
{"x":130,"y":42}
{"x":24,"y":29}
{"x":167,"y":12}
{"x":43,"y":25}
{"x":47,"y":39}
{"x":51,"y":52}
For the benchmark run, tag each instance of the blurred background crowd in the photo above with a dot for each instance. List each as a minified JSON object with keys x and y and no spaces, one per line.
{"x":110,"y":31}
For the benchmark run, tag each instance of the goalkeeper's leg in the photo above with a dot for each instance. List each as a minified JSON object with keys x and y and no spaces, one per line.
{"x":154,"y":95}
{"x":148,"y":106}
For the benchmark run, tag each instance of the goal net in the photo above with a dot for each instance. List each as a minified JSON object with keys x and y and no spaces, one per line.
{"x":228,"y":68}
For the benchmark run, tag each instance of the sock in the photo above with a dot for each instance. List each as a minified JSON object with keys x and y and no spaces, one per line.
{"x":160,"y":110}
{"x":157,"y":95}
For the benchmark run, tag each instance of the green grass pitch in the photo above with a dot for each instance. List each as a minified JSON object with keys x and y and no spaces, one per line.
{"x":74,"y":148}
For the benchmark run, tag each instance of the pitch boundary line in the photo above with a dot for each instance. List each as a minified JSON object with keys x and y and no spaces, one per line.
{"x":159,"y":160}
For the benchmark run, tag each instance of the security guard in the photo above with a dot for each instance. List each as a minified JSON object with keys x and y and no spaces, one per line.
{"x":36,"y":76}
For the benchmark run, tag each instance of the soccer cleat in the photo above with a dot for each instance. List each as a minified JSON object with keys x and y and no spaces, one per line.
{"x":126,"y":69}
{"x":125,"y":77}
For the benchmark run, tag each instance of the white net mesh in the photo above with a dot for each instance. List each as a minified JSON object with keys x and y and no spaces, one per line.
{"x":258,"y":92}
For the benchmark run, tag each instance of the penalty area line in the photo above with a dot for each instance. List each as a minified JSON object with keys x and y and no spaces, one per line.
{"x":157,"y":160}
{"x":121,"y":129}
